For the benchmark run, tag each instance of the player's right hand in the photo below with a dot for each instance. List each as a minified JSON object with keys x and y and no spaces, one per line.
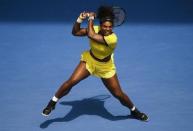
{"x":90,"y":14}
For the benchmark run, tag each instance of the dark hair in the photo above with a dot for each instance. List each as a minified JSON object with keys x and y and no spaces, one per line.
{"x":105,"y":13}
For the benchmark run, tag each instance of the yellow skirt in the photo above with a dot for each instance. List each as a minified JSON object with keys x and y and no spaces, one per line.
{"x":99,"y":69}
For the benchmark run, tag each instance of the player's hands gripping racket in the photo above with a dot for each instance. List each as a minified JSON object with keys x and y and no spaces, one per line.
{"x":83,"y":15}
{"x":120,"y":15}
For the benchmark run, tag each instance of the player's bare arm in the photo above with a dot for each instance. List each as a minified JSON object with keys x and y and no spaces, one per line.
{"x":77,"y":30}
{"x":91,"y":33}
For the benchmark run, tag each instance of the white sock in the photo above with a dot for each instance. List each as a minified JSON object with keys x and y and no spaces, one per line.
{"x":132,"y":109}
{"x":55,"y":99}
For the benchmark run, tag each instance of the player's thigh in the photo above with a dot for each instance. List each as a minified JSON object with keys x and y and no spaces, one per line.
{"x":79,"y":73}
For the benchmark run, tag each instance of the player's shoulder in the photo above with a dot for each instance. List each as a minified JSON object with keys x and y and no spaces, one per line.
{"x":113,"y":35}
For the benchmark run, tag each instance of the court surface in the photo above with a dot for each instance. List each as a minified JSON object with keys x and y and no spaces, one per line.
{"x":154,"y":64}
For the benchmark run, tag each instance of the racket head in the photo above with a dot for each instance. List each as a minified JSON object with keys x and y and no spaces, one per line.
{"x":119,"y":15}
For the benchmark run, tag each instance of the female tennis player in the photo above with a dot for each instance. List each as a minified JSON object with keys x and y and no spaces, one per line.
{"x":98,"y":60}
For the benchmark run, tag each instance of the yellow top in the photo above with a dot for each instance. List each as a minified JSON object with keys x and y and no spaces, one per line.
{"x":101,"y":50}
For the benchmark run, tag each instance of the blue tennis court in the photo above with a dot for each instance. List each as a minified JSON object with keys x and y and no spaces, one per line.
{"x":154,"y":64}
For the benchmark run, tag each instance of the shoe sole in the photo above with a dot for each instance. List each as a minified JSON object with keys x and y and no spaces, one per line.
{"x":145,"y":120}
{"x":44,"y":115}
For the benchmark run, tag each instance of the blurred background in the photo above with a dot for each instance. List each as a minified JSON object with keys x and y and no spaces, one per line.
{"x":138,"y":11}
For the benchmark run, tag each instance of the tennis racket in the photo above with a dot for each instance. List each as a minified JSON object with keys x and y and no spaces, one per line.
{"x":120,"y":15}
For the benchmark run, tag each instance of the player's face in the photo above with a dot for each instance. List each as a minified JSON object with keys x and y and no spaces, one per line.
{"x":106,"y":28}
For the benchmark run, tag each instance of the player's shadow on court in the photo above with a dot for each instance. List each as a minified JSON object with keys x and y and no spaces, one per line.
{"x":88,"y":106}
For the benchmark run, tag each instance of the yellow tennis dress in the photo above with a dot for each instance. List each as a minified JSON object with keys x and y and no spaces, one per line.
{"x":101,"y":51}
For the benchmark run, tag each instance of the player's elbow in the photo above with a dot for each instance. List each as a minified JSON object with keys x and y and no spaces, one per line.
{"x":74,"y":33}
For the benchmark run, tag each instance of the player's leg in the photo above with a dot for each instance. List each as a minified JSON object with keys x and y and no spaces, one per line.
{"x":79,"y":74}
{"x":114,"y":87}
